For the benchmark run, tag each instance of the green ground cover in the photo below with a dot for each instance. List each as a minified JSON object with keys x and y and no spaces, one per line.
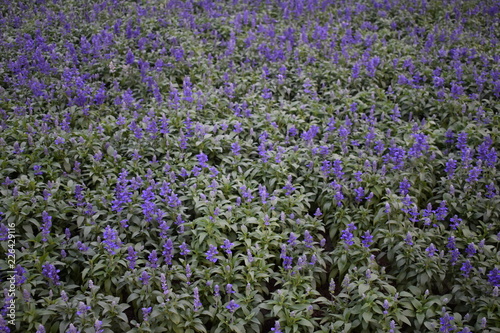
{"x":250,"y":166}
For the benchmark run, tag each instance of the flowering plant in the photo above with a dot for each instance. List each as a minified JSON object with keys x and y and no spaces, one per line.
{"x":249,"y":166}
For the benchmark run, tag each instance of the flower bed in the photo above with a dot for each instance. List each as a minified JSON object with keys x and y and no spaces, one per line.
{"x":250,"y":166}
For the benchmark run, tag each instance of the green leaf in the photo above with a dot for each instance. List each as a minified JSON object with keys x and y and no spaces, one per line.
{"x":367,"y":316}
{"x":420,"y":318}
{"x":402,"y":318}
{"x":123,"y":317}
{"x":363,"y":288}
{"x":305,"y":322}
{"x":237,"y":328}
{"x":276,"y":309}
{"x":199,"y":328}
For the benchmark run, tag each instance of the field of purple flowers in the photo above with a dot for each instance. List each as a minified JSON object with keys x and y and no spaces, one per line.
{"x":250,"y":166}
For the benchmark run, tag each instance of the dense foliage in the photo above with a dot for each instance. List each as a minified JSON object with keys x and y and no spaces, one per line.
{"x":250,"y":166}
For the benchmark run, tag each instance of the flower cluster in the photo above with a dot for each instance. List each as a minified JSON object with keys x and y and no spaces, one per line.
{"x":249,"y":165}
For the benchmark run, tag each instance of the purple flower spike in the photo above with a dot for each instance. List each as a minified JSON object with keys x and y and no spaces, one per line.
{"x":211,"y":253}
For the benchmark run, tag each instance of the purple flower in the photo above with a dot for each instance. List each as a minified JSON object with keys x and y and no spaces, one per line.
{"x":189,"y":273}
{"x":168,"y":251}
{"x":409,"y":239}
{"x":466,"y":268}
{"x":277,"y":327}
{"x":111,"y":241}
{"x":357,"y":175}
{"x":187,"y":89}
{"x":308,"y":239}
{"x":292,"y":239}
{"x":211,"y":253}
{"x":267,"y":93}
{"x":163,"y":229}
{"x":246,"y":193}
{"x":202,"y":159}
{"x":229,"y":289}
{"x":59,"y":141}
{"x":46,"y":195}
{"x":129,"y":59}
{"x":470,"y":250}
{"x":483,"y":323}
{"x":360,"y":193}
{"x":235,"y":148}
{"x":263,"y":194}
{"x":131,"y":257}
{"x":338,"y":196}
{"x":76,"y":167}
{"x":146,"y":312}
{"x":431,"y":250}
{"x":451,"y":243}
{"x":4,"y":232}
{"x":123,"y":194}
{"x":462,"y":141}
{"x":337,"y":169}
{"x":450,"y":137}
{"x":287,"y":260}
{"x":474,"y":175}
{"x":82,"y":309}
{"x":347,"y":235}
{"x":197,"y":303}
{"x":331,"y":287}
{"x":232,"y":306}
{"x":387,"y":208}
{"x":456,"y":90}
{"x":386,"y":306}
{"x":445,"y":322}
{"x":326,"y":168}
{"x":494,"y":277}
{"x":72,"y":329}
{"x":404,"y":186}
{"x":124,"y":224}
{"x":237,"y":127}
{"x":145,"y":278}
{"x":367,"y":239}
{"x":403,"y":80}
{"x":302,"y":261}
{"x":288,"y":186}
{"x":164,"y":285}
{"x":454,"y":254}
{"x":438,"y":81}
{"x":441,"y":211}
{"x":37,"y":169}
{"x":47,"y":224}
{"x":355,"y":70}
{"x":184,"y":249}
{"x":82,"y":247}
{"x":227,"y":246}
{"x":50,"y":272}
{"x":397,"y":156}
{"x":149,"y":208}
{"x":79,"y":195}
{"x":98,"y":326}
{"x":249,"y":256}
{"x":213,"y":173}
{"x":20,"y":275}
{"x":455,"y":222}
{"x":153,"y":259}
